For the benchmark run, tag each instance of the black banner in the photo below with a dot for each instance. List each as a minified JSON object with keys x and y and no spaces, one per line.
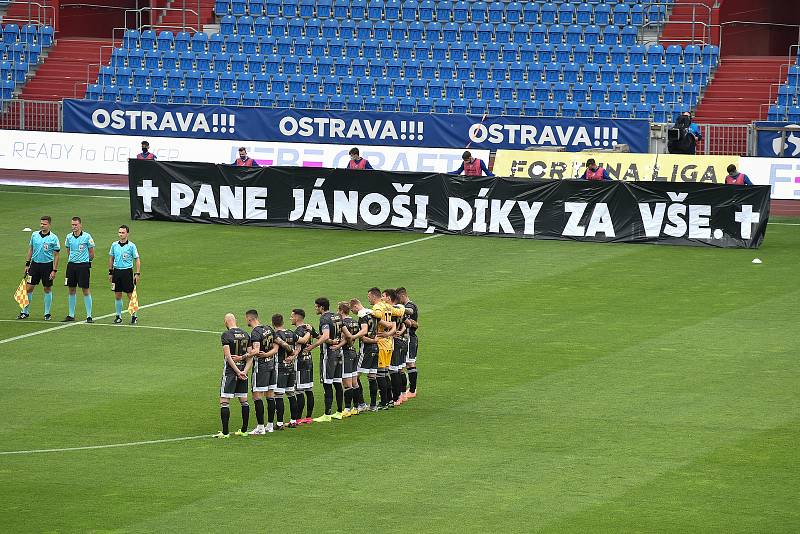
{"x":640,"y":212}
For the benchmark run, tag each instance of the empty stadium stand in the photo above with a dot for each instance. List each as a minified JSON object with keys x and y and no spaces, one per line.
{"x":534,"y":58}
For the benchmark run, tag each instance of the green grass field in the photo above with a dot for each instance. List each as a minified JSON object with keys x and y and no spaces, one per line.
{"x":563,"y":387}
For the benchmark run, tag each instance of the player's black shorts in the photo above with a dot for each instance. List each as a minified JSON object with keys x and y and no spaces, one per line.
{"x":265,"y":376}
{"x":305,"y":373}
{"x":398,"y":355}
{"x":78,"y":274}
{"x":122,"y":280}
{"x":40,"y":272}
{"x":349,"y":363}
{"x":369,"y":361}
{"x":330,"y":366}
{"x":286,"y":376}
{"x":231,"y":385}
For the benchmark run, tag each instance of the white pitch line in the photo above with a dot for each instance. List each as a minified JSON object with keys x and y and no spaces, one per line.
{"x":137,"y":326}
{"x":234,"y":284}
{"x":109,"y":446}
{"x":59,"y":194}
{"x":785,"y":224}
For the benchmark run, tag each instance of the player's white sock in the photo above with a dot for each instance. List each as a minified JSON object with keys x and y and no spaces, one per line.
{"x":292,"y":421}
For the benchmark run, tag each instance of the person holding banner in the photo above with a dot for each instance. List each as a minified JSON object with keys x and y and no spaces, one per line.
{"x":594,"y":172}
{"x":736,"y":178}
{"x":41,"y":264}
{"x":146,"y":154}
{"x":471,"y":166}
{"x":120,"y":272}
{"x":357,"y":162}
{"x":244,"y":160}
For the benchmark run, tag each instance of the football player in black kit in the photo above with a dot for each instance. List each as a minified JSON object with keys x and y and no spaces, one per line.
{"x":304,"y":383}
{"x":368,"y":357}
{"x":285,"y":340}
{"x":234,"y":376}
{"x":412,"y":323}
{"x":264,"y":371}
{"x":349,"y":361}
{"x":330,"y":358}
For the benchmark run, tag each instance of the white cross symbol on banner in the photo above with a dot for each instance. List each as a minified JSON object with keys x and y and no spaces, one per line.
{"x":148,"y":193}
{"x":746,"y":218}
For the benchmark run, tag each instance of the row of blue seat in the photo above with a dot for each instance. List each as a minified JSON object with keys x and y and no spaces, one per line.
{"x":445,"y":72}
{"x":387,"y":51}
{"x":450,"y":32}
{"x":447,"y":11}
{"x":781,"y":114}
{"x":14,"y":70}
{"x":20,"y":52}
{"x":29,"y":33}
{"x":657,"y":112}
{"x":364,"y":86}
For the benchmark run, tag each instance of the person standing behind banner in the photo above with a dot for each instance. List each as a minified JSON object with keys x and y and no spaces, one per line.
{"x":736,"y":178}
{"x":471,"y":166}
{"x":244,"y":160}
{"x":120,"y":271}
{"x":80,"y":247}
{"x":357,"y":162}
{"x":146,"y":154}
{"x":594,"y":172}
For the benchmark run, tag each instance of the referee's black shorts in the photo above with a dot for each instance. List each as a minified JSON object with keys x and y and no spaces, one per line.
{"x":40,"y":272}
{"x":122,"y":281}
{"x":78,"y":274}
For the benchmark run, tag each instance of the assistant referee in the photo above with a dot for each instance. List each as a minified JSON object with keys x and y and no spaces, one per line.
{"x":123,"y":279}
{"x":41,"y":264}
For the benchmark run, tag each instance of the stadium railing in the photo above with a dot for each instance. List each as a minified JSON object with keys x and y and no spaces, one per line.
{"x":18,"y":114}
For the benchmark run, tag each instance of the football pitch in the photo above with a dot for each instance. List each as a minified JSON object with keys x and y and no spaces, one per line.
{"x":563,"y":387}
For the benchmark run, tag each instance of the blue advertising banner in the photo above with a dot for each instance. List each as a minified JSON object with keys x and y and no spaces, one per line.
{"x":773,"y":143}
{"x":342,"y":127}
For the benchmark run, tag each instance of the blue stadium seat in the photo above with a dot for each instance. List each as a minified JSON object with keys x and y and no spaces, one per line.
{"x":560,"y":90}
{"x":460,"y":10}
{"x":340,"y":9}
{"x":602,"y":14}
{"x":549,"y":109}
{"x":130,"y":39}
{"x":174,"y":79}
{"x":301,"y":101}
{"x":710,"y":55}
{"x":587,"y":110}
{"x":191,"y":79}
{"x":611,"y":35}
{"x":513,"y":12}
{"x":644,"y":74}
{"x":652,"y":93}
{"x":283,"y":101}
{"x":162,"y":96}
{"x":655,"y":54}
{"x":147,"y":39}
{"x":400,"y":87}
{"x":180,"y":96}
{"x":641,"y":111}
{"x":625,"y":111}
{"x":663,"y":74}
{"x":388,"y":104}
{"x":347,"y":85}
{"x":563,"y":53}
{"x":208,"y":81}
{"x":496,"y":107}
{"x":330,"y":85}
{"x":457,"y":51}
{"x":548,"y":13}
{"x":435,"y":89}
{"x":244,"y":25}
{"x":408,"y":104}
{"x":636,"y":54}
{"x":278,"y":27}
{"x":319,"y":102}
{"x":495,"y":13}
{"x":673,"y":54}
{"x":452,"y":89}
{"x":426,"y":10}
{"x":633,"y":93}
{"x":591,"y":35}
{"x":443,"y":106}
{"x":479,"y":12}
{"x":569,"y":109}
{"x":336,"y":48}
{"x":680,"y":74}
{"x":566,"y":13}
{"x":580,"y":91}
{"x":555,"y":34}
{"x":145,"y":95}
{"x":637,"y":15}
{"x":336,"y":103}
{"x":616,"y":91}
{"x":197,"y":96}
{"x":597,"y":92}
{"x":225,"y":81}
{"x":583,"y":14}
{"x":530,"y":13}
{"x":591,"y":73}
{"x":626,"y":73}
{"x":570,"y":72}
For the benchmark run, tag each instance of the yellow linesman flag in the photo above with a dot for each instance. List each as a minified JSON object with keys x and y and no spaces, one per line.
{"x":133,"y":304}
{"x":21,"y":294}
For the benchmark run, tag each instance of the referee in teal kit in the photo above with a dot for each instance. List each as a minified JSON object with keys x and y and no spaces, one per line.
{"x":80,"y":246}
{"x":41,"y":264}
{"x":123,"y":278}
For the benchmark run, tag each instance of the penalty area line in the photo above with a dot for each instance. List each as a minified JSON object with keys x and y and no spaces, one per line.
{"x":109,"y":446}
{"x":234,"y":284}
